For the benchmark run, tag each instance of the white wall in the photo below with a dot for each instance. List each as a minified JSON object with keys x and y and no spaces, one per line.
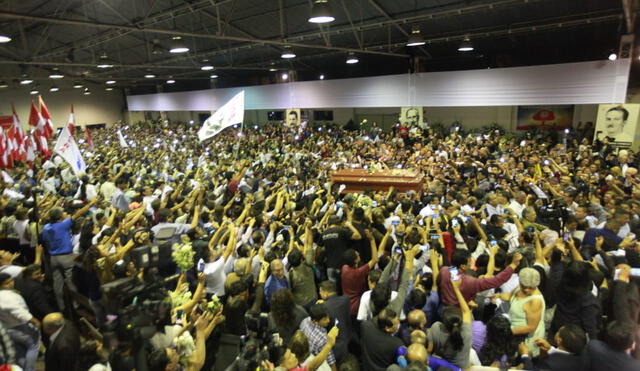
{"x":99,"y":107}
{"x":470,"y":117}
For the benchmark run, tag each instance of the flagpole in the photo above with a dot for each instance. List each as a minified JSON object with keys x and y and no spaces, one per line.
{"x":239,"y":139}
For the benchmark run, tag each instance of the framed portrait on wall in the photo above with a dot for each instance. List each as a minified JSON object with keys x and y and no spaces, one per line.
{"x":292,"y":117}
{"x":411,"y":116}
{"x":617,"y":121}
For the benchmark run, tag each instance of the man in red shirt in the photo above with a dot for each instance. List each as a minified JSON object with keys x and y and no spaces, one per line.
{"x":354,"y":277}
{"x":470,"y":286}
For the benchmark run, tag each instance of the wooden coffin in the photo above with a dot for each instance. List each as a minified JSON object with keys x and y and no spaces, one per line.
{"x":359,"y":180}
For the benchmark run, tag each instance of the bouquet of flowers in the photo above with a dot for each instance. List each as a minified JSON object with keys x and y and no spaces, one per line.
{"x":179,"y":298}
{"x":183,"y":255}
{"x":214,"y":304}
{"x":184,"y":346}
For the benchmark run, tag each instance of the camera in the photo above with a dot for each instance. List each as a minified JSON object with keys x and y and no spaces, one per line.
{"x":259,"y":344}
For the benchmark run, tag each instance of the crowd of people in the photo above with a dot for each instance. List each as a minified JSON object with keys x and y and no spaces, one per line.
{"x":519,"y":251}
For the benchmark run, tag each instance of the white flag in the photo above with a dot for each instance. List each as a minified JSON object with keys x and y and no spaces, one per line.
{"x":67,"y":148}
{"x":230,"y":114}
{"x":123,"y":143}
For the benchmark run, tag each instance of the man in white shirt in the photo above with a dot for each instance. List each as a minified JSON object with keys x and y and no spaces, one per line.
{"x":22,"y":327}
{"x":518,"y":203}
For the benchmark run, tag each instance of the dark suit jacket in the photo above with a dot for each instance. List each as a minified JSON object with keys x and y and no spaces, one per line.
{"x":378,"y":347}
{"x":559,"y":362}
{"x":599,"y":357}
{"x":338,"y":308}
{"x":36,"y":297}
{"x":62,"y":354}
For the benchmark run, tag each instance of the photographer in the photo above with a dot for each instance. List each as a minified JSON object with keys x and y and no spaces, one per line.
{"x":291,"y":363}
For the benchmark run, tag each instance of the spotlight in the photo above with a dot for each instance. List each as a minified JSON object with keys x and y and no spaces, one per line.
{"x":171,"y":81}
{"x":466,"y":45}
{"x":178,"y":46}
{"x":206,"y":67}
{"x":352,"y":59}
{"x":54,"y":89}
{"x":288,"y":53}
{"x":214,"y":76}
{"x":321,"y":77}
{"x":613,"y":56}
{"x":149,"y":75}
{"x":77,"y":84}
{"x":415,"y":39}
{"x":55,"y":74}
{"x":108,"y":88}
{"x":25,"y":81}
{"x":110,"y":82}
{"x":34,"y":91}
{"x":285,"y":76}
{"x":4,"y":39}
{"x":321,"y":12}
{"x":3,"y":84}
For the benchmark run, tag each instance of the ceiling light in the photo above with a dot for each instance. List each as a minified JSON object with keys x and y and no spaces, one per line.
{"x":4,"y":39}
{"x":103,"y":61}
{"x":108,"y":88}
{"x":214,"y":76}
{"x":178,"y":46}
{"x":3,"y":84}
{"x":54,"y":89}
{"x":55,"y":74}
{"x":77,"y":84}
{"x":206,"y":67}
{"x":352,"y":59}
{"x":34,"y":91}
{"x":466,"y":45}
{"x":321,"y":12}
{"x":415,"y":39}
{"x":288,"y":53}
{"x":171,"y":81}
{"x":86,"y":91}
{"x":157,"y":49}
{"x":25,"y":80}
{"x":613,"y":56}
{"x":285,"y":76}
{"x":109,"y":82}
{"x":149,"y":75}
{"x":321,"y":77}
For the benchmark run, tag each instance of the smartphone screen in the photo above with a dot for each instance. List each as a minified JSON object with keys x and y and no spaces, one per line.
{"x":454,"y":273}
{"x":566,"y":237}
{"x":493,"y":243}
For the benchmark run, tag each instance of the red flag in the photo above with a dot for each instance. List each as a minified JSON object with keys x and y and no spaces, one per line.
{"x":72,"y":121}
{"x":36,"y":119}
{"x":5,"y":157}
{"x":31,"y":149}
{"x":48,"y":124}
{"x":87,"y":134}
{"x":16,"y":137}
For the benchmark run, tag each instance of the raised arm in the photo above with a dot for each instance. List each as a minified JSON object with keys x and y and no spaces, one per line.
{"x":374,"y":250}
{"x":84,"y":209}
{"x":464,"y":307}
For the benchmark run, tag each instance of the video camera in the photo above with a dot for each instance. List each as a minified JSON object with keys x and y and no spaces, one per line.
{"x":259,"y":345}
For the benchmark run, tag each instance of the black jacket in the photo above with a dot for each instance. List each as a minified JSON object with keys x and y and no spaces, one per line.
{"x":62,"y":354}
{"x":559,"y":362}
{"x":338,"y":308}
{"x":378,"y":348}
{"x":36,"y":297}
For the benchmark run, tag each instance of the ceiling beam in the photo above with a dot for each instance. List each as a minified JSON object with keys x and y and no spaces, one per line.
{"x":74,"y":22}
{"x":149,"y":20}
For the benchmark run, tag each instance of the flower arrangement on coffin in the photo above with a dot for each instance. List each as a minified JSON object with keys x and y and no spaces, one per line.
{"x":214,"y":305}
